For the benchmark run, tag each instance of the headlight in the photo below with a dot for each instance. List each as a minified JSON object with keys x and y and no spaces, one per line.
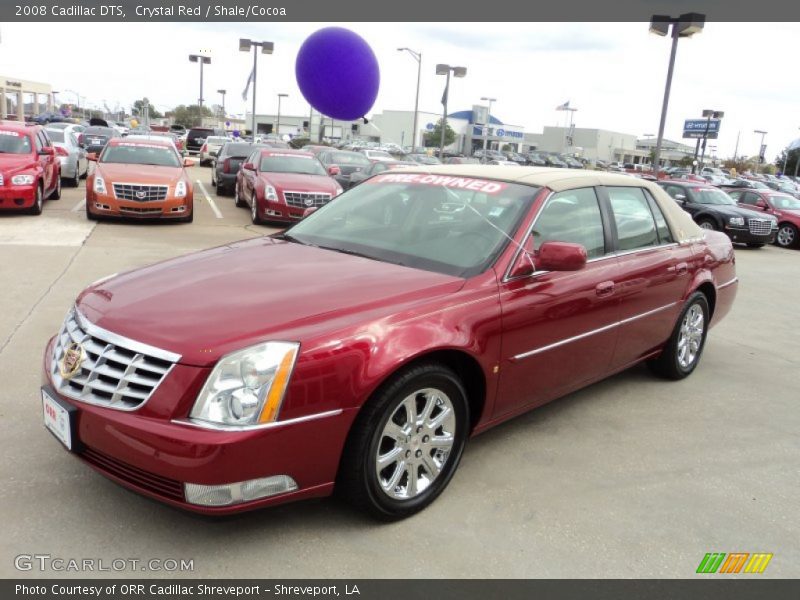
{"x":270,"y":193}
{"x":774,"y":224}
{"x":247,"y":387}
{"x":22,"y":179}
{"x":338,"y":190}
{"x":99,"y":185}
{"x":736,"y":221}
{"x":180,"y":189}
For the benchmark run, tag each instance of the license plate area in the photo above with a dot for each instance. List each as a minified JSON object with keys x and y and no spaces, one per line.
{"x":60,"y":419}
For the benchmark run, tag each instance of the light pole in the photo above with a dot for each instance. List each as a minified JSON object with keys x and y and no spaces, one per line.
{"x":488,"y":120}
{"x":203,"y":60}
{"x":278,"y":128}
{"x":709,"y":114}
{"x":418,"y":57}
{"x":686,"y":25}
{"x":222,"y":93}
{"x":760,"y":148}
{"x":442,"y":69}
{"x":266,"y":48}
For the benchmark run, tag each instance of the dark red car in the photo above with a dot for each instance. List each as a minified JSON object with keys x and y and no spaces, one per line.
{"x":30,"y":170}
{"x":782,"y":206}
{"x":279,"y":185}
{"x":362,"y":347}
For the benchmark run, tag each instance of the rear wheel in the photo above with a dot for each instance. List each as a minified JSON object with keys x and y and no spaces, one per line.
{"x":76,"y":181}
{"x":787,"y":236}
{"x":683,"y":349}
{"x":406,"y":443}
{"x":237,"y":198}
{"x":56,"y":195}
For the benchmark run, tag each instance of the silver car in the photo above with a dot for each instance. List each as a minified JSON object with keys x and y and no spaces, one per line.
{"x":74,"y":164}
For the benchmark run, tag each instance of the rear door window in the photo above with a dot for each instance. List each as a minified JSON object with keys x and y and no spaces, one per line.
{"x":572,"y":216}
{"x":636,"y":227}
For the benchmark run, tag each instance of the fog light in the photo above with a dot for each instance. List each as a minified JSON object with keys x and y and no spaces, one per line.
{"x":236,"y":493}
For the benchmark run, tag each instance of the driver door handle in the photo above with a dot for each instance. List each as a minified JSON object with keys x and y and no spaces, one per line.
{"x":606,"y":288}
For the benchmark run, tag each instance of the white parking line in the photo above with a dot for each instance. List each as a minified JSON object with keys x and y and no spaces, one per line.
{"x":210,"y":201}
{"x":79,"y":206}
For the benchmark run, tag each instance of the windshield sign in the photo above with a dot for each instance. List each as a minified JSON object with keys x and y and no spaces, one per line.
{"x":140,"y":154}
{"x":291,"y":163}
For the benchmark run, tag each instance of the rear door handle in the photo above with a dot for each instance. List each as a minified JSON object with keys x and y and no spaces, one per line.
{"x":605,"y":288}
{"x":682,"y":268}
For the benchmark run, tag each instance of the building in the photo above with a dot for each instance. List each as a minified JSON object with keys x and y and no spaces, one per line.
{"x":20,"y":98}
{"x":671,"y":151}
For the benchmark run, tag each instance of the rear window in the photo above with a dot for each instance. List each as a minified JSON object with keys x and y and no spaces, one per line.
{"x":98,"y":131}
{"x":196,"y":133}
{"x":216,"y":139}
{"x":56,"y":135}
{"x":241,"y":150}
{"x":13,"y":142}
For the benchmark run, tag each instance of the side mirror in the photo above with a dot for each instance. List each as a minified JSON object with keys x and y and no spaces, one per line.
{"x":248,"y":166}
{"x":310,"y":211}
{"x":561,"y":256}
{"x":762,"y":205}
{"x":333,"y":170}
{"x":524,"y":264}
{"x":91,"y":156}
{"x":680,"y":198}
{"x":47,"y":151}
{"x":188,"y":162}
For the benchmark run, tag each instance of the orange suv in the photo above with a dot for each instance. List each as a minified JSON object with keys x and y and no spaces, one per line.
{"x":141,"y":179}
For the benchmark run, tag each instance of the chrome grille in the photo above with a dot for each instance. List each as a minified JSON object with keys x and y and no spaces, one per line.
{"x":306,"y":199}
{"x":1,"y":179}
{"x":760,"y":226}
{"x":140,"y":211}
{"x":140,"y":192}
{"x":115,"y":371}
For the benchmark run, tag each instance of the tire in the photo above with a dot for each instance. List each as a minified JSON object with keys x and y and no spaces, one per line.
{"x":56,"y":195}
{"x":38,"y":203}
{"x":90,"y":215}
{"x":76,"y":181}
{"x":254,"y":216}
{"x":188,"y":218}
{"x":237,"y":198}
{"x":689,"y":333}
{"x":416,"y":469}
{"x":708,"y":224}
{"x":787,"y":236}
{"x":755,"y":245}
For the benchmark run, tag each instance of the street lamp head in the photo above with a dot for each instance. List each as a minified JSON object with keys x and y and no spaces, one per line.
{"x":283,"y":95}
{"x":759,"y":131}
{"x":708,"y":113}
{"x":659,"y":24}
{"x":267,"y":47}
{"x":459,"y":71}
{"x":718,"y":114}
{"x":485,"y":99}
{"x":690,"y":23}
{"x":245,"y":45}
{"x":193,"y":57}
{"x":442,"y":69}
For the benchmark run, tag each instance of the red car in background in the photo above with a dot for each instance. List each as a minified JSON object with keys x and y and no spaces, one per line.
{"x":782,"y":206}
{"x":279,"y":185}
{"x":29,"y":167}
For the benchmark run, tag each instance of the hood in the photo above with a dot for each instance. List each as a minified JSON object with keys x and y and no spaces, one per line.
{"x":299,"y":182}
{"x":129,"y":173}
{"x":738,"y":211}
{"x":14,"y":162}
{"x":208,"y":304}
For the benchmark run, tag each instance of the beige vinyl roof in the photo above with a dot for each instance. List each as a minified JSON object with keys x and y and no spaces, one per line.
{"x":683,"y":227}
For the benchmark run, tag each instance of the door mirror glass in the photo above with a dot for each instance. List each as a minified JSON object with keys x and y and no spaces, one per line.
{"x":334,"y":170}
{"x":248,"y":166}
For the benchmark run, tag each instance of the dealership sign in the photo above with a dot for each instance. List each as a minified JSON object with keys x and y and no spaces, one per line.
{"x":696,"y":128}
{"x":498,"y":132}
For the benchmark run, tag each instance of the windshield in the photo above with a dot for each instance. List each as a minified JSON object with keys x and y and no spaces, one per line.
{"x":712,"y":197}
{"x":12,"y":142}
{"x":140,"y":154}
{"x":349,"y":158}
{"x":451,"y":225}
{"x":216,"y":140}
{"x":784,"y":202}
{"x":98,"y":131}
{"x":304,"y":165}
{"x":56,"y":135}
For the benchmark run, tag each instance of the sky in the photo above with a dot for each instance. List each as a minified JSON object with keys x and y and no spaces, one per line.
{"x":613,"y":73}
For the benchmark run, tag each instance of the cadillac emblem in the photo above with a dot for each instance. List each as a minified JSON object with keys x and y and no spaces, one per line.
{"x":309,"y":202}
{"x":71,"y":363}
{"x":141,"y":195}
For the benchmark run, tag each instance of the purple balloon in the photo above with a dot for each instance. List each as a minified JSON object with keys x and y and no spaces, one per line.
{"x":338,"y":73}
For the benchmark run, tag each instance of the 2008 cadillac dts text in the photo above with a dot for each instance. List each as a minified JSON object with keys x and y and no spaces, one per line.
{"x":359,"y":349}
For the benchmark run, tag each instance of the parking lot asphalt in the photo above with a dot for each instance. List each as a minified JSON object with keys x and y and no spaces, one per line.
{"x":631,"y":477}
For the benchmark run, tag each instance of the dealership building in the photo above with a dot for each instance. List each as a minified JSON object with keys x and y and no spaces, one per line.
{"x":20,"y":98}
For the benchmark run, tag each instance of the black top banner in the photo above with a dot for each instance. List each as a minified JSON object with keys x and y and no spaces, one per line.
{"x":405,"y":11}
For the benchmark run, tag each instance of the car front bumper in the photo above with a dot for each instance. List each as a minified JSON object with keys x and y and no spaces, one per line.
{"x":156,"y":454}
{"x":17,"y":196}
{"x":109,"y":206}
{"x":745,"y":236}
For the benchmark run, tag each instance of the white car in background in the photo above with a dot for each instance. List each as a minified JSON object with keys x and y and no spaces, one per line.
{"x":71,"y":155}
{"x":378,"y":155}
{"x":211,"y":148}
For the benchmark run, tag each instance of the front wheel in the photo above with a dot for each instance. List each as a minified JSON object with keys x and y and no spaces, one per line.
{"x":683,"y":349}
{"x":708,"y":224}
{"x":787,"y":236}
{"x":254,"y":216}
{"x":38,"y":202}
{"x":406,"y":443}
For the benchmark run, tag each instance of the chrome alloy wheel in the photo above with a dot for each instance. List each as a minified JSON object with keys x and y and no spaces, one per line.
{"x":415,"y":443}
{"x":706,"y":225}
{"x":254,"y":209}
{"x":691,"y":336}
{"x":786,"y":236}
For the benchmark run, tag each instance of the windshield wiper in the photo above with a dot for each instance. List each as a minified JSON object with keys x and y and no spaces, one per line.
{"x":290,"y":238}
{"x":361,"y":255}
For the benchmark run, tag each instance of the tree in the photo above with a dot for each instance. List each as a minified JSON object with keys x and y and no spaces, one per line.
{"x":152,"y":112}
{"x":791,"y":163}
{"x":434,"y":137}
{"x":190,"y":116}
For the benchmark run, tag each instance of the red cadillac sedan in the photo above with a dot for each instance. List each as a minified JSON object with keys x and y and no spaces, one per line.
{"x":279,"y":185}
{"x":358,"y":350}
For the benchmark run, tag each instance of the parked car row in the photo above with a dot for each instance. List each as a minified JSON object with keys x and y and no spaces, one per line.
{"x":30,"y":169}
